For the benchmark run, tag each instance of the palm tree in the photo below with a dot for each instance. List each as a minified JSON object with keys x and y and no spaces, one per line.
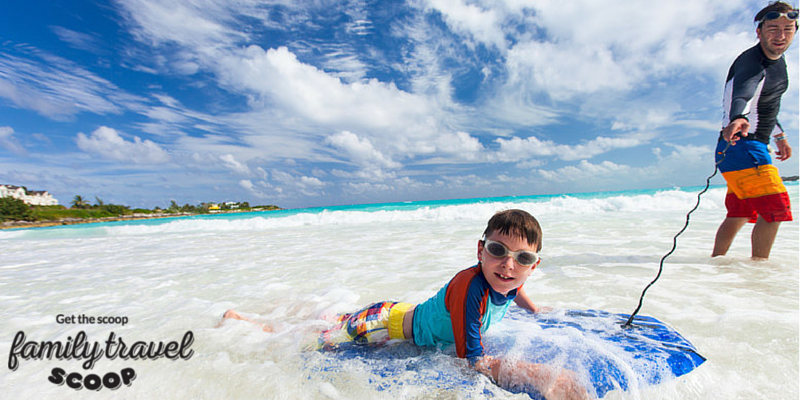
{"x":79,"y":202}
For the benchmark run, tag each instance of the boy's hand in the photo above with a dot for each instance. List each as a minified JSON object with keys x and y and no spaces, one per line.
{"x":566,"y":387}
{"x":553,"y":383}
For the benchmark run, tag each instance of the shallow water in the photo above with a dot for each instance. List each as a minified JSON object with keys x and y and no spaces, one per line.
{"x":292,"y":269}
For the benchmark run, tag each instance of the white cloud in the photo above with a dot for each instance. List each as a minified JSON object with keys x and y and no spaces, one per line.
{"x":311,"y":93}
{"x":360,"y":150}
{"x":569,"y":70}
{"x":367,"y":173}
{"x":78,"y":40}
{"x":261,"y":189}
{"x":366,"y":188}
{"x":261,"y":173}
{"x":483,"y":24}
{"x":107,"y":143}
{"x":310,"y":182}
{"x":631,"y":26}
{"x":247,"y":184}
{"x":622,"y":59}
{"x":585,"y":171}
{"x":290,"y":179}
{"x":308,"y":185}
{"x":460,"y":144}
{"x":197,"y":23}
{"x":230,"y":162}
{"x":165,"y":114}
{"x":58,"y":88}
{"x":9,"y":142}
{"x":515,"y":149}
{"x":681,"y":164}
{"x":167,"y":100}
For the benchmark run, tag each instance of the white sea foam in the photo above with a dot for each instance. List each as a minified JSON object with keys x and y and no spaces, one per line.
{"x":293,"y":269}
{"x":662,"y":201}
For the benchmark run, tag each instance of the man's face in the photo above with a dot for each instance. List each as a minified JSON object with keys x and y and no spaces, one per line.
{"x":776,"y":36}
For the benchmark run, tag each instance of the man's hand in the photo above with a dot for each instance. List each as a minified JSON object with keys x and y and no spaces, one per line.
{"x":739,"y":125}
{"x":784,"y":151}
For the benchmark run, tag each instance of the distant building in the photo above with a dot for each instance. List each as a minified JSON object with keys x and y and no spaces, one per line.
{"x":34,"y":198}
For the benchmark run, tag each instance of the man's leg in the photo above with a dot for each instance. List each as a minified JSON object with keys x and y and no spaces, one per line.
{"x":763,"y":237}
{"x":726,"y":233}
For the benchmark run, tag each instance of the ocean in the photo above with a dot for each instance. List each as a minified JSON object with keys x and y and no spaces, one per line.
{"x":170,"y":280}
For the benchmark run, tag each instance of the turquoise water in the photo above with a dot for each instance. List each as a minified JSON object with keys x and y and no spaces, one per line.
{"x":396,"y":206}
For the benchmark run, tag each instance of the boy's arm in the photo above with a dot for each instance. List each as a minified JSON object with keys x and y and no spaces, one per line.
{"x":524,"y":301}
{"x":552,"y":383}
{"x":466,"y":301}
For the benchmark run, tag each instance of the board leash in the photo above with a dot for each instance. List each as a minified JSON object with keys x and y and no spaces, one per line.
{"x":627,"y":324}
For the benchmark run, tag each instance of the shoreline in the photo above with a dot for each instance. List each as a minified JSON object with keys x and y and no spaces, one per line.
{"x":78,"y":221}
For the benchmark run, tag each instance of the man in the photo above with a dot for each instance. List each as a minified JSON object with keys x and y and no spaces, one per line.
{"x":756,"y":81}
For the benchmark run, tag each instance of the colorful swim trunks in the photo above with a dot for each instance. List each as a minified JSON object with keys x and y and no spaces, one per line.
{"x":377,"y":323}
{"x":754,"y":186}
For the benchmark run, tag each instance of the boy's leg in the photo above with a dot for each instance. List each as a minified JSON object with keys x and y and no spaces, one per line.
{"x":726,"y":233}
{"x":763,"y":237}
{"x":231,"y":314}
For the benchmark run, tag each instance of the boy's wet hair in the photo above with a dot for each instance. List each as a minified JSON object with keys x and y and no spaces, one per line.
{"x":516,"y":223}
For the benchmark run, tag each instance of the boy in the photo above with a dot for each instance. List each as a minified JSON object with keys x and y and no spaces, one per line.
{"x":462,"y":310}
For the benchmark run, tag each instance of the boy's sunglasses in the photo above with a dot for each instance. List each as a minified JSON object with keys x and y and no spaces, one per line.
{"x":791,"y":16}
{"x":499,"y":250}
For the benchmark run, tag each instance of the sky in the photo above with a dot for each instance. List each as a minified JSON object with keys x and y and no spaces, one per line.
{"x":316,"y":103}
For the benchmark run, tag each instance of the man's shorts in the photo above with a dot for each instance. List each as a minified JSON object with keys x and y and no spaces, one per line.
{"x":377,"y":323}
{"x":754,"y":186}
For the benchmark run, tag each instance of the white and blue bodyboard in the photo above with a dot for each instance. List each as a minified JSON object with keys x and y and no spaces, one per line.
{"x":604,"y":355}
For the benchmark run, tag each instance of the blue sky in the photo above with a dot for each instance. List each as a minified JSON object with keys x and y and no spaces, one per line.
{"x":310,"y":103}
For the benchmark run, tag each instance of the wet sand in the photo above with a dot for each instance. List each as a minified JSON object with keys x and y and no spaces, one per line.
{"x":76,"y":221}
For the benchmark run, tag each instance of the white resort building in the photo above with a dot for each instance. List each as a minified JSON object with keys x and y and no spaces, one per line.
{"x":34,"y":198}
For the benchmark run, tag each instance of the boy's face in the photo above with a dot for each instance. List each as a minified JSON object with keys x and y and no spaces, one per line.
{"x":505,"y":274}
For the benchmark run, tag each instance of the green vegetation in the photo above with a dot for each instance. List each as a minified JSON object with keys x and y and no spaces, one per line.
{"x":53,"y":213}
{"x":12,"y":209}
{"x":79,"y":203}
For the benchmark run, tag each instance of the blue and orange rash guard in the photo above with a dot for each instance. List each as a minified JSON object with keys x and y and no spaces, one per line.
{"x":460,"y":313}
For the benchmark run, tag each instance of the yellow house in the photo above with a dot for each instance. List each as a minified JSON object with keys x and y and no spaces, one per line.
{"x":213,"y":207}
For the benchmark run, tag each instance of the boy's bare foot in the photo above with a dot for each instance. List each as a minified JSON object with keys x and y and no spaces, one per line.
{"x":231,"y":314}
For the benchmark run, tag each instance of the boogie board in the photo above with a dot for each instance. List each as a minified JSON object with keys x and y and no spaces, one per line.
{"x":591,"y":343}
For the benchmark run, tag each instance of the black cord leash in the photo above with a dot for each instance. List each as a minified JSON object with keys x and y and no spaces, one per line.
{"x":627,"y":325}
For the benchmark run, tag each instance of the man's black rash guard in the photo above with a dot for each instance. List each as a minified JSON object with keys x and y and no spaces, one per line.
{"x":753,"y":91}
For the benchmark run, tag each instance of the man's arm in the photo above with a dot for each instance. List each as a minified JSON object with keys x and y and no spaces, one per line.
{"x":784,"y":151}
{"x":744,"y":80}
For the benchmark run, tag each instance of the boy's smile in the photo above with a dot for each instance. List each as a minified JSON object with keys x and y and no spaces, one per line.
{"x":505,"y":274}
